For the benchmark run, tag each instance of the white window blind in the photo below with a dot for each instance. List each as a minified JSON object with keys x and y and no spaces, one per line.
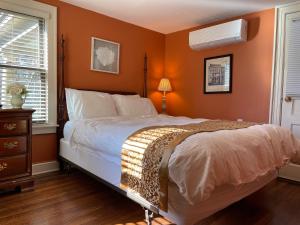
{"x":23,"y":59}
{"x":293,"y":58}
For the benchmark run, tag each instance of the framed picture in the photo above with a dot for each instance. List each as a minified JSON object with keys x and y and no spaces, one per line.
{"x":105,"y":56}
{"x":218,"y":74}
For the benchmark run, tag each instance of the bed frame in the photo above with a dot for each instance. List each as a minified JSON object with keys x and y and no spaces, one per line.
{"x":62,"y":116}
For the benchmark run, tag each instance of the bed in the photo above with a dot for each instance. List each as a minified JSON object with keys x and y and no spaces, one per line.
{"x":94,"y":145}
{"x":107,"y":166}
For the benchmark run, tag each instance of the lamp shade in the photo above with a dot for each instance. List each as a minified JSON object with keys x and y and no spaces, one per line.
{"x":164,"y":85}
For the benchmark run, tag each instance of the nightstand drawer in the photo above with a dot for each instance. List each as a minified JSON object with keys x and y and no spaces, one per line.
{"x":13,"y":145}
{"x":12,"y":167}
{"x":13,"y":127}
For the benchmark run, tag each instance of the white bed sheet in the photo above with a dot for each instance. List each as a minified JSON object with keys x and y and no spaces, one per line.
{"x":68,"y":129}
{"x":203,"y":161}
{"x":180,"y":211}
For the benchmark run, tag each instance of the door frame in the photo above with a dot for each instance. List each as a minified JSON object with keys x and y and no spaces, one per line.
{"x":278,"y":60}
{"x":291,"y":171}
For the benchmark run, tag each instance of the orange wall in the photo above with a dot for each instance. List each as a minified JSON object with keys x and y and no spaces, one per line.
{"x":43,"y":148}
{"x":172,"y":55}
{"x":78,"y":26}
{"x":252,"y":71}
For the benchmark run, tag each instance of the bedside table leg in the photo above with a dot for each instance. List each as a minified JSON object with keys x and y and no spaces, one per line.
{"x":26,"y":186}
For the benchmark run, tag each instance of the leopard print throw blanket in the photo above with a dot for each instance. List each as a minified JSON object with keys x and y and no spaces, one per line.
{"x":146,"y":153}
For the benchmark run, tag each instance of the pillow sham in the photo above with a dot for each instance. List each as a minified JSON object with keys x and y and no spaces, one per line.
{"x":133,"y":106}
{"x":121,"y":100}
{"x":117,"y":97}
{"x":89,"y":104}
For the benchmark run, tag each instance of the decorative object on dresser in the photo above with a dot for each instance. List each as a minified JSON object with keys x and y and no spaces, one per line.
{"x":164,"y":86}
{"x":18,"y":94}
{"x":105,"y":56}
{"x":218,"y":74}
{"x":15,"y":149}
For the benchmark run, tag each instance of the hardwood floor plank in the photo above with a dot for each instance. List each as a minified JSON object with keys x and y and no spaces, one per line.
{"x":76,"y":199}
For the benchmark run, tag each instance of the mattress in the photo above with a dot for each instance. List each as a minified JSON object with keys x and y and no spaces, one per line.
{"x":181,"y":212}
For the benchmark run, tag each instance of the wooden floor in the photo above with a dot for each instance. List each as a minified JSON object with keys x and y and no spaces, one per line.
{"x":77,"y":199}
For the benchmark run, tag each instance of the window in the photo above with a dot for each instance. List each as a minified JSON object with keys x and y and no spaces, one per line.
{"x":28,"y":56}
{"x":23,"y":59}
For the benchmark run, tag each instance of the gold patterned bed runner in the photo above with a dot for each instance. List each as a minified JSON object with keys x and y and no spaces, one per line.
{"x":146,"y":153}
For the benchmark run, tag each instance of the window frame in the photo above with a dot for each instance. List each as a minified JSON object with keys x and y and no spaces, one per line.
{"x":49,"y":13}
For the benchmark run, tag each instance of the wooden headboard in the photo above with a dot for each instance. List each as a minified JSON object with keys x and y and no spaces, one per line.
{"x":62,"y":114}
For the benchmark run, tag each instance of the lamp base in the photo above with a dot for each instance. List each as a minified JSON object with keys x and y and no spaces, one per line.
{"x":164,"y":105}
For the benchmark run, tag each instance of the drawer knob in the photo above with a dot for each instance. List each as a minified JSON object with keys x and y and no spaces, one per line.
{"x":3,"y":166}
{"x":10,"y":145}
{"x":10,"y":126}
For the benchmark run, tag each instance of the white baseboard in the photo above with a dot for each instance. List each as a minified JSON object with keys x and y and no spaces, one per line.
{"x":291,"y":172}
{"x":46,"y":167}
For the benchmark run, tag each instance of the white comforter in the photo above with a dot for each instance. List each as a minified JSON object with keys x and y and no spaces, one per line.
{"x":203,"y":161}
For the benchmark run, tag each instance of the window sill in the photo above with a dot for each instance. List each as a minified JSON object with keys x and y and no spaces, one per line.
{"x":44,"y":128}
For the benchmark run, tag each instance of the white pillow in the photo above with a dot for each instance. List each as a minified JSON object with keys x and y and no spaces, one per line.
{"x":119,"y":99}
{"x":89,"y":104}
{"x":133,"y":106}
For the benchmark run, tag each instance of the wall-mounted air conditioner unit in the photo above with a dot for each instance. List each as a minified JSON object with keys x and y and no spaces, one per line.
{"x":219,"y":35}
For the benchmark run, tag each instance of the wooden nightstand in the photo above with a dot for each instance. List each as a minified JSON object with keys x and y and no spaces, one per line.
{"x":15,"y":149}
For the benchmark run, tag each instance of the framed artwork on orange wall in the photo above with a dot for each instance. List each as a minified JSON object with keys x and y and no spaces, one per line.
{"x":218,"y":74}
{"x":105,"y":56}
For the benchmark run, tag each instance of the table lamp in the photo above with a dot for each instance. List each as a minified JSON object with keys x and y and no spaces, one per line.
{"x":164,"y":86}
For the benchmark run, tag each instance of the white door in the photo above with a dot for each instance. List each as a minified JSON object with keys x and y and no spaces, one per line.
{"x":290,"y":114}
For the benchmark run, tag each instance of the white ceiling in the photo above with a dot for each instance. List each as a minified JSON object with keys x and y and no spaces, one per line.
{"x":167,"y":16}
